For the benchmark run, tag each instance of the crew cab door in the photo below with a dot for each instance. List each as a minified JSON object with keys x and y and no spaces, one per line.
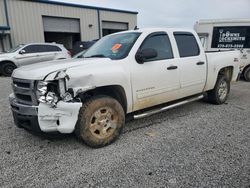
{"x":156,"y":80}
{"x":192,"y":63}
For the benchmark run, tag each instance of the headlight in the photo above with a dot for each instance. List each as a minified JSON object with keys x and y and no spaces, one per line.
{"x":49,"y":92}
{"x":41,"y":88}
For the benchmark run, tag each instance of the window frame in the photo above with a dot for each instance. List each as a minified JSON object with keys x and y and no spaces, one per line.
{"x":156,"y":34}
{"x":196,"y":42}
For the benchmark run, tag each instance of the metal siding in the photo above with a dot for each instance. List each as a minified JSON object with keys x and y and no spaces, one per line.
{"x":131,"y":19}
{"x":26,"y":23}
{"x":2,"y":14}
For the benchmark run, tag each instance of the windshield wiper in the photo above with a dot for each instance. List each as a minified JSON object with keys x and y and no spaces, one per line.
{"x":97,"y":55}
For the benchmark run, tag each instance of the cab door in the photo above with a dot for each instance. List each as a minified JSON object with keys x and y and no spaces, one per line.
{"x":156,"y":80}
{"x":192,"y":64}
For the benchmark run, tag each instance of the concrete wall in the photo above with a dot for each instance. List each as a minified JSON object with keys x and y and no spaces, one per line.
{"x":26,"y":23}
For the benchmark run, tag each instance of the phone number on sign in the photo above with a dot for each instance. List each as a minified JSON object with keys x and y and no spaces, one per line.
{"x":230,"y":46}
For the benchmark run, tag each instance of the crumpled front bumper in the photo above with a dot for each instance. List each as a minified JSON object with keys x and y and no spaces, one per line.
{"x":24,"y":116}
{"x":44,"y":118}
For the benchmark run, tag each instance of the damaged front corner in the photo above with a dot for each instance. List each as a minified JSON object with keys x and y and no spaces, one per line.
{"x":63,"y":118}
{"x":78,"y":90}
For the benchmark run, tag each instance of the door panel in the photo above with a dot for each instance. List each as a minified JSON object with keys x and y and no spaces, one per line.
{"x":28,"y":58}
{"x":154,"y":84}
{"x":156,"y":81}
{"x":192,"y":64}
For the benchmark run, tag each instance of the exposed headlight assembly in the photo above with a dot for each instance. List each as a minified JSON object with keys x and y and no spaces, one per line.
{"x":52,"y":91}
{"x":41,"y":89}
{"x":46,"y":92}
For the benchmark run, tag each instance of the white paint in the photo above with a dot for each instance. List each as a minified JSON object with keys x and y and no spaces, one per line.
{"x":65,"y":113}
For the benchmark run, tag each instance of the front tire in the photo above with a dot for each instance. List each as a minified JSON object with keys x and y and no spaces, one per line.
{"x":247,"y":74}
{"x":100,"y":122}
{"x":220,"y":92}
{"x":7,"y":68}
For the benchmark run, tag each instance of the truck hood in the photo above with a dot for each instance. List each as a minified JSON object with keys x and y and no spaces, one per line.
{"x":40,"y":70}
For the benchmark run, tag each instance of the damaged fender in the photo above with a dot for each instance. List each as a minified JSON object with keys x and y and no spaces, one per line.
{"x":63,"y":118}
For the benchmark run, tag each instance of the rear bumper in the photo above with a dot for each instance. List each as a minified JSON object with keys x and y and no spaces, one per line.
{"x":24,"y":116}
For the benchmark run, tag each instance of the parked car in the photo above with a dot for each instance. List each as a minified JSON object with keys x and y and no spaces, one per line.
{"x":125,"y":73}
{"x":82,"y":46}
{"x":221,"y":35}
{"x":29,"y":54}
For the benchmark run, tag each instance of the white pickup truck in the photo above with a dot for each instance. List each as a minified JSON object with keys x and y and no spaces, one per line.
{"x":136,"y":72}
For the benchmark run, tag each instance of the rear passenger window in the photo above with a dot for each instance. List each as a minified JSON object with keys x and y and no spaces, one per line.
{"x":187,"y":44}
{"x":159,"y":42}
{"x":49,"y":48}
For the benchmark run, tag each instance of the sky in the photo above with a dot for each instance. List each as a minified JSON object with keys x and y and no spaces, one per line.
{"x":175,"y":13}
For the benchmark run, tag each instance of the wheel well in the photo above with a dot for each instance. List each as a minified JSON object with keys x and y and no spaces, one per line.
{"x":227,"y":71}
{"x":245,"y":68}
{"x":6,"y":61}
{"x":115,"y":91}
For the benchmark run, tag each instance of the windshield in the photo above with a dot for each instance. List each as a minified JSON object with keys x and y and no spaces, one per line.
{"x":15,"y":48}
{"x":113,"y":46}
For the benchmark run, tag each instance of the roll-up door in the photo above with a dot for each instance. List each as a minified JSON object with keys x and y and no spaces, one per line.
{"x":114,"y":25}
{"x":64,"y":25}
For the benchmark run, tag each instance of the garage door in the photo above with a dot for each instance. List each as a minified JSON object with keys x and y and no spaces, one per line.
{"x":55,"y":24}
{"x":114,"y":25}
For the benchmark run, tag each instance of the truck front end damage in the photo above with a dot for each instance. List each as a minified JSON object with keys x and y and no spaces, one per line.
{"x":45,"y":106}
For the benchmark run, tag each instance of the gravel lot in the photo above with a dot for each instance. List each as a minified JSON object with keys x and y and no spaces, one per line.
{"x":196,"y":145}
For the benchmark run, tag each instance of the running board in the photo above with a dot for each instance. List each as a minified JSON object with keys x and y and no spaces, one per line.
{"x":152,"y":112}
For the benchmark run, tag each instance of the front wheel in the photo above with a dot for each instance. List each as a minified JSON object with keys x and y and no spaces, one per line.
{"x":247,"y":74}
{"x":7,"y":68}
{"x":101,"y":120}
{"x":220,"y":92}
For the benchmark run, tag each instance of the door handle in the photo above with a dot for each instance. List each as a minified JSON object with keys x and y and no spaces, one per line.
{"x":200,"y":63}
{"x":172,"y":67}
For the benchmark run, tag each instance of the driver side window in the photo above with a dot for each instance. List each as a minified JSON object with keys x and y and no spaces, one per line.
{"x":161,"y":43}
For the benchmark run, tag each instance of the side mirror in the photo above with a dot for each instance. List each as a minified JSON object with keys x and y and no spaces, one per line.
{"x":22,"y":51}
{"x":145,"y":54}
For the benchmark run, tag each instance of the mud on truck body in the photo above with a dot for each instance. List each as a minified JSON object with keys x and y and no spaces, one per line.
{"x":124,"y":73}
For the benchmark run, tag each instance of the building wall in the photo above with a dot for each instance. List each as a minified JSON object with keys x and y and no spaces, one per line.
{"x":119,"y":17}
{"x":26,"y":24}
{"x":2,"y":14}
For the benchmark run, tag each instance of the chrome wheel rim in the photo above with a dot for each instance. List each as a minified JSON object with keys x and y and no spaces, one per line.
{"x":103,"y":123}
{"x":223,"y":90}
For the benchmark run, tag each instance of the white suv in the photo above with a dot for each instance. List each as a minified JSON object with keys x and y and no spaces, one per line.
{"x":29,"y":54}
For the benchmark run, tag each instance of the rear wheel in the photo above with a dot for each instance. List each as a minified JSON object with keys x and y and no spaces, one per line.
{"x":247,"y":74}
{"x":101,"y":120}
{"x":220,"y":92}
{"x":7,"y":68}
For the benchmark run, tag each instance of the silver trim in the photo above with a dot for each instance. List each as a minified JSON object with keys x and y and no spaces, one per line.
{"x":152,"y":112}
{"x":29,"y":91}
{"x":22,"y":109}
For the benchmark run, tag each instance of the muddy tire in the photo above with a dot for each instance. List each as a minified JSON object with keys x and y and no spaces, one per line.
{"x":7,"y":68}
{"x":100,"y":122}
{"x":247,"y":74}
{"x":220,"y":92}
